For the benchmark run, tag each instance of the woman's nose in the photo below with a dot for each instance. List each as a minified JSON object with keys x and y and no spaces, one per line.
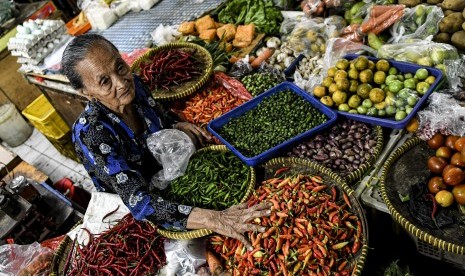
{"x":121,"y":83}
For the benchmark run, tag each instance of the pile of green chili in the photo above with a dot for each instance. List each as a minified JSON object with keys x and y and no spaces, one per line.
{"x":276,"y":119}
{"x":213,"y":180}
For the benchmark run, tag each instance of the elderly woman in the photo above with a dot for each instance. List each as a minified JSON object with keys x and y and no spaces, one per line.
{"x":110,"y":137}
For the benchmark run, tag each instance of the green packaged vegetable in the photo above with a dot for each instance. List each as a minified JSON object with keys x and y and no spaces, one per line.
{"x":263,"y":14}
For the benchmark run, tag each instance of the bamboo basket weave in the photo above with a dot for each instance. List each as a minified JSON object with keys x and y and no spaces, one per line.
{"x":438,"y":239}
{"x":185,"y":88}
{"x":193,"y":234}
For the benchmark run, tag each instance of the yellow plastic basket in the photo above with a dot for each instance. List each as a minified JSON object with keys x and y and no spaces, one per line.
{"x":65,"y":146}
{"x":45,"y":118}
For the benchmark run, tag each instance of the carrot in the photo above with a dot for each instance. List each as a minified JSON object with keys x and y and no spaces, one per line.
{"x":383,"y":26}
{"x":378,"y":10}
{"x":234,"y":59}
{"x":266,"y":54}
{"x":374,"y":22}
{"x":213,"y":263}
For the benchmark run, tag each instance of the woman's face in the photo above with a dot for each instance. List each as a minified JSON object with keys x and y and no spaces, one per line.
{"x":106,"y":77}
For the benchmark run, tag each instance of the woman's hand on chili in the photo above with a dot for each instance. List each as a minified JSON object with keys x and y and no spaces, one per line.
{"x":197,"y":134}
{"x":232,"y":222}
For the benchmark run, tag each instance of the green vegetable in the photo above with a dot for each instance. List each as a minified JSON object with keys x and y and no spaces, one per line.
{"x":258,"y":83}
{"x":217,"y":50}
{"x":263,"y":13}
{"x":213,"y":180}
{"x":276,"y":119}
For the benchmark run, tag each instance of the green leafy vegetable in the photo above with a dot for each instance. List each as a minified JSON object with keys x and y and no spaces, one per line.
{"x":263,"y":13}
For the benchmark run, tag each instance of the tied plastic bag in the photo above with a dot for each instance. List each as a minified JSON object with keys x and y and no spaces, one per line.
{"x":172,"y":148}
{"x":317,"y":7}
{"x":426,"y":53}
{"x":23,"y":260}
{"x":183,"y":257}
{"x":444,"y":114}
{"x":420,"y":22}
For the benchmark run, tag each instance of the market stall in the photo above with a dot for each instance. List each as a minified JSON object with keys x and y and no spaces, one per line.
{"x":338,"y":114}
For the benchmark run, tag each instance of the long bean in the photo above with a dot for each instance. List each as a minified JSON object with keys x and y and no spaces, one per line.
{"x":213,"y":179}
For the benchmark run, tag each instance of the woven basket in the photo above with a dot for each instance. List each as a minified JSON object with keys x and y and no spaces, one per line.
{"x":302,"y":166}
{"x":186,"y":88}
{"x":193,"y":234}
{"x":418,"y":231}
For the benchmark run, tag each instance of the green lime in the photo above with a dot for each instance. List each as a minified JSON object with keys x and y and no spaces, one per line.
{"x":343,"y":107}
{"x":367,"y":103}
{"x":372,"y":111}
{"x":404,"y":93}
{"x":421,"y":74}
{"x":353,"y":111}
{"x":408,"y":76}
{"x":396,"y":86}
{"x":400,"y":115}
{"x":412,"y":100}
{"x":422,"y":87}
{"x":392,"y":71}
{"x":410,"y":83}
{"x":381,"y":113}
{"x":401,"y":102}
{"x":391,"y":110}
{"x":362,"y":110}
{"x":408,"y":109}
{"x":390,"y":79}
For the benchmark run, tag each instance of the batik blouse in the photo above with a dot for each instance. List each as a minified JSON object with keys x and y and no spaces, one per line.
{"x":119,"y":161}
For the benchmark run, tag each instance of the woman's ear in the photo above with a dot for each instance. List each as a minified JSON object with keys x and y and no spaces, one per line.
{"x":84,"y":93}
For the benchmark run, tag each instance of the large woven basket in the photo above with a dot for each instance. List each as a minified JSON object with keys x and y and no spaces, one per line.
{"x":448,"y":238}
{"x":302,"y":166}
{"x":193,"y":234}
{"x":60,"y":254}
{"x":185,"y":88}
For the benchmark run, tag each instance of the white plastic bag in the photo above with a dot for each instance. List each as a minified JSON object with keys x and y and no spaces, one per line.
{"x":22,"y":260}
{"x":183,"y":257}
{"x":164,"y":35}
{"x":172,"y":148}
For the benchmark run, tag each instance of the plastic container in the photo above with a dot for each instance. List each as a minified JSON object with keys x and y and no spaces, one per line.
{"x":65,"y":146}
{"x":237,"y":112}
{"x":14,"y":130}
{"x":45,"y":118}
{"x":77,"y":30}
{"x":289,"y":71}
{"x":402,"y":67}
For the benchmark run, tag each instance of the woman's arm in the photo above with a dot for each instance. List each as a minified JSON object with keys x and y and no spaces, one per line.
{"x":102,"y":149}
{"x":232,"y":222}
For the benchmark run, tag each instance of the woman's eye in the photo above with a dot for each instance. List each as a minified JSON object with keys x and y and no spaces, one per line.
{"x":105,"y":81}
{"x":121,"y":68}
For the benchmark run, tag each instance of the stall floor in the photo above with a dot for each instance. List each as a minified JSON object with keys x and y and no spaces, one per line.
{"x":40,"y":153}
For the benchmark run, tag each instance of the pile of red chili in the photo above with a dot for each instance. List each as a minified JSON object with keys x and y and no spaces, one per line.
{"x":210,"y":104}
{"x":169,"y":67}
{"x":129,"y":248}
{"x":310,"y":232}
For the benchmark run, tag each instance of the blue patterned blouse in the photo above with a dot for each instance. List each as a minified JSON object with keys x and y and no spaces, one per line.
{"x":118,"y":161}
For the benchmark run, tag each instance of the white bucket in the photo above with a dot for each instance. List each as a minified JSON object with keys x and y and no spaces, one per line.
{"x":13,"y":128}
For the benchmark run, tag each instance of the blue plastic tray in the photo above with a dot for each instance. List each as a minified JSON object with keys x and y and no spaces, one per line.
{"x":289,"y":71}
{"x":403,"y":67}
{"x":219,"y":122}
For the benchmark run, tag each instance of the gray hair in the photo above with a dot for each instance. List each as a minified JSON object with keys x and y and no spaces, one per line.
{"x":76,"y":51}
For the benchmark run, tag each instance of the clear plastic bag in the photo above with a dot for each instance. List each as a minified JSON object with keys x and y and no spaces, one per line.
{"x":6,"y":8}
{"x":420,"y":22}
{"x":183,"y":257}
{"x":172,"y":148}
{"x":381,"y":17}
{"x":426,"y":53}
{"x":444,"y":114}
{"x":120,"y":7}
{"x":22,"y":260}
{"x":241,"y":68}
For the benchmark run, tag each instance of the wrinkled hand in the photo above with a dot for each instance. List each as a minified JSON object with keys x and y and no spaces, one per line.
{"x":197,"y":134}
{"x":232,"y":222}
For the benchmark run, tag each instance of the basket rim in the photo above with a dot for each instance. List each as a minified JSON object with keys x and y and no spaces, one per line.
{"x":339,"y":181}
{"x":410,"y":227}
{"x":358,"y":173}
{"x":176,"y":45}
{"x":59,"y":252}
{"x":198,"y":233}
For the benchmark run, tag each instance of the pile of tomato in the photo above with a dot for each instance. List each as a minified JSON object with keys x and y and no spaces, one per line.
{"x":447,"y":165}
